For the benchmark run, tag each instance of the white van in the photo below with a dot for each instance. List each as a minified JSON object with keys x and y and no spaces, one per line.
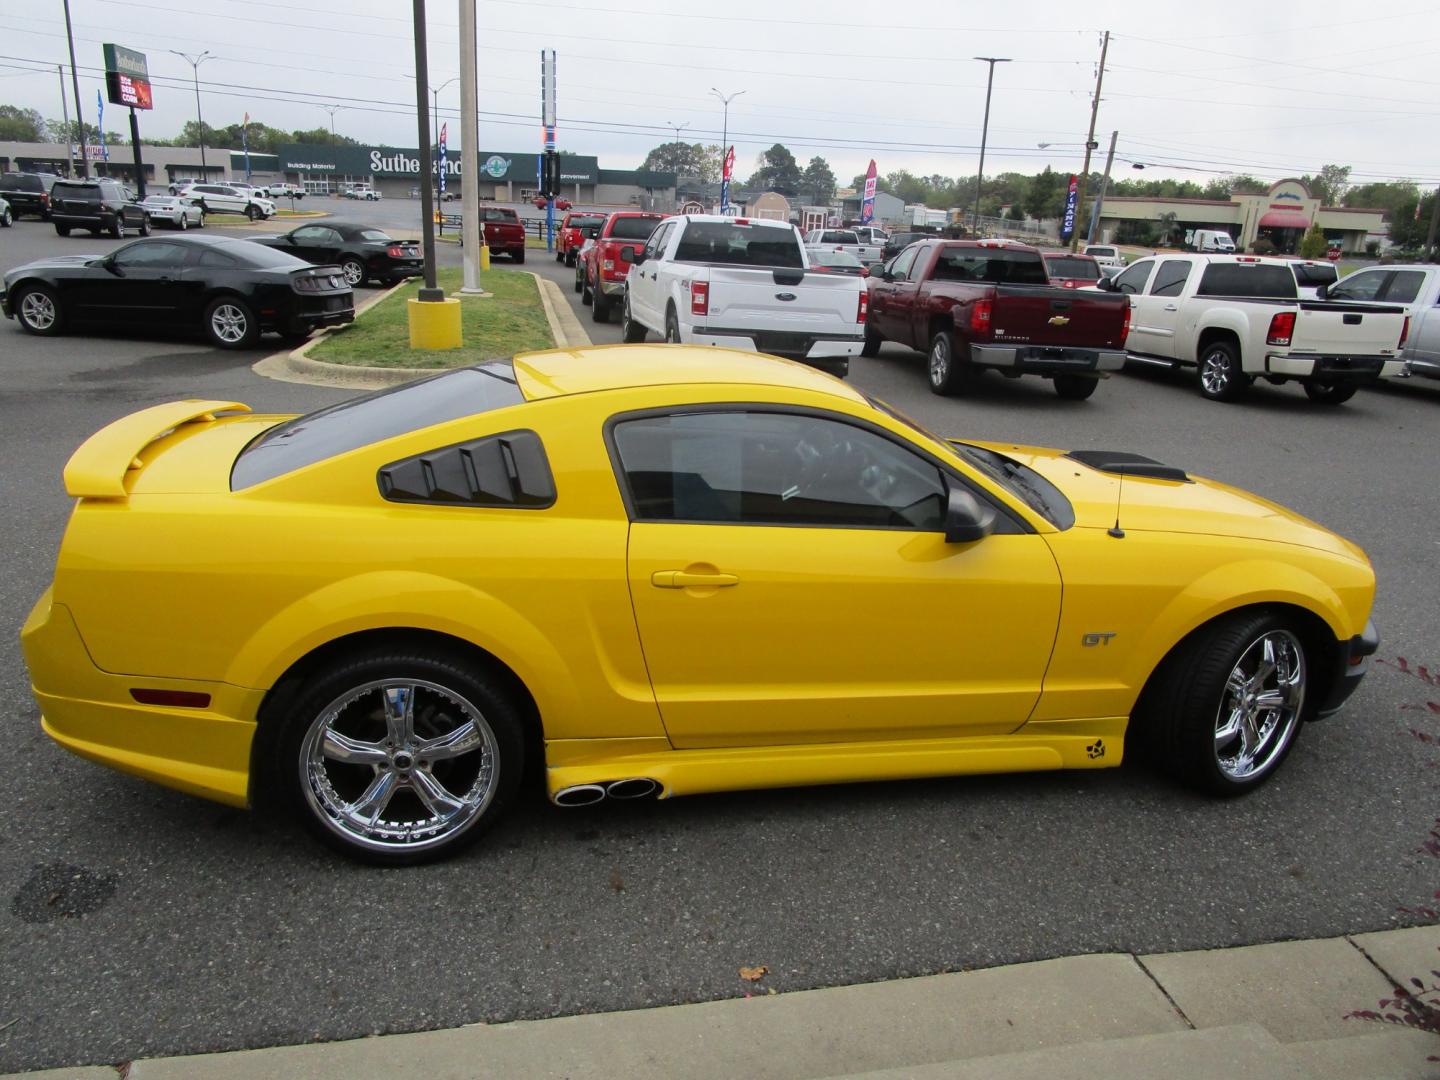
{"x":1211,"y":241}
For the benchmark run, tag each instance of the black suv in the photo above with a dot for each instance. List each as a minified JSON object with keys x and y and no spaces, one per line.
{"x":98,"y":205}
{"x":28,"y":193}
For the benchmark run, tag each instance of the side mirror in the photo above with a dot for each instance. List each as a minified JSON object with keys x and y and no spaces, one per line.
{"x":111,"y":266}
{"x":1107,"y":284}
{"x":967,"y":519}
{"x":1322,"y":293}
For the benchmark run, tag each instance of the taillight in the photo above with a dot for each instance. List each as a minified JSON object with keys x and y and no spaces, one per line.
{"x":44,"y":199}
{"x":699,"y":298}
{"x":395,"y":251}
{"x":1404,"y":333}
{"x":1282,"y":329}
{"x":1125,"y":326}
{"x":864,"y":305}
{"x":980,"y":317}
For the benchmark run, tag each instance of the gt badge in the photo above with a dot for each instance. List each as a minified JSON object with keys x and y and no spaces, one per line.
{"x":1091,"y":640}
{"x":1096,"y":749}
{"x":1059,"y":320}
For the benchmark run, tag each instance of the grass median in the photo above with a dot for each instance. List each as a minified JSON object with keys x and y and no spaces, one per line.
{"x":511,"y":321}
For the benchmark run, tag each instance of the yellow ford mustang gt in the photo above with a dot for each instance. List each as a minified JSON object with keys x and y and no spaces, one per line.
{"x":656,"y":571}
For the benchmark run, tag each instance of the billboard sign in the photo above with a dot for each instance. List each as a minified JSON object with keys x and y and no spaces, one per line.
{"x":127,"y":77}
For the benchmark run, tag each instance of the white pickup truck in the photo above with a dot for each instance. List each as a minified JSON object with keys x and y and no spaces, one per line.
{"x":848,"y":241}
{"x":1417,"y":290}
{"x":1238,"y":318}
{"x":704,"y":279}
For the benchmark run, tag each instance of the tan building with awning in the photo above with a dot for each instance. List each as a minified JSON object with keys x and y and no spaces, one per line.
{"x":1281,"y":215}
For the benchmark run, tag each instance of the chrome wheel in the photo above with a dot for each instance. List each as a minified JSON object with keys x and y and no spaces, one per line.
{"x":1260,"y":709}
{"x":939,"y":360}
{"x":184,"y":222}
{"x":37,"y":311}
{"x":354,"y":273}
{"x":1215,"y":373}
{"x":399,"y":765}
{"x":229,"y":324}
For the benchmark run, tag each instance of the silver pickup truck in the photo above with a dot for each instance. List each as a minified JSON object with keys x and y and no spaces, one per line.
{"x":846,"y":240}
{"x":1414,"y":288}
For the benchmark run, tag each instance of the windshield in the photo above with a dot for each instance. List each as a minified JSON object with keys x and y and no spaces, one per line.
{"x":585,"y":221}
{"x":633,"y":228}
{"x":1074,"y":268}
{"x":734,"y":244}
{"x":1319,"y":274}
{"x":83,"y":192}
{"x":259,"y":255}
{"x":374,"y":418}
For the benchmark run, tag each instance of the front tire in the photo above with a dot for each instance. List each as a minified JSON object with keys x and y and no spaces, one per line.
{"x":631,"y":332}
{"x":230,"y":324}
{"x":38,"y":311}
{"x":117,"y":229}
{"x":6,"y":219}
{"x":1075,"y":387}
{"x":184,"y":221}
{"x":397,"y":757}
{"x":253,"y":213}
{"x":1330,"y":393}
{"x":62,"y":230}
{"x":947,"y":374}
{"x":599,"y":306}
{"x":1225,"y":708}
{"x":672,"y":327}
{"x":1221,"y":377}
{"x":354,"y":271}
{"x":145,"y":226}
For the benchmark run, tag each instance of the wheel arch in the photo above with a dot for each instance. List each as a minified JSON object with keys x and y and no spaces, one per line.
{"x":1220,"y":332}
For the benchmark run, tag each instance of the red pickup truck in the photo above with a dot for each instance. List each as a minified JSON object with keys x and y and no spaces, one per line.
{"x":978,"y":304}
{"x":503,"y":232}
{"x":607,"y":263}
{"x":571,"y":237}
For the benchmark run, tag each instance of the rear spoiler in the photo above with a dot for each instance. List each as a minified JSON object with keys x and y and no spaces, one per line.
{"x":97,"y":470}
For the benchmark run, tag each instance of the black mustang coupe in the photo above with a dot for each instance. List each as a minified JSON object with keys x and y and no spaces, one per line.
{"x":363,"y":252}
{"x":232,"y":290}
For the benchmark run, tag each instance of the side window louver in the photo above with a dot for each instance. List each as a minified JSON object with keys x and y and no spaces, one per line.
{"x":507,"y":470}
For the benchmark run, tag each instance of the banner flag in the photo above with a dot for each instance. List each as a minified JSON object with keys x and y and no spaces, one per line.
{"x":1067,"y":225}
{"x":726,"y":170}
{"x":867,"y":207}
{"x":444,"y":134}
{"x":100,"y":123}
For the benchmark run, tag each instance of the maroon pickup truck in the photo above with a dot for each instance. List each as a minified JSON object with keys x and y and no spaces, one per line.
{"x":504,"y":234}
{"x":978,"y":304}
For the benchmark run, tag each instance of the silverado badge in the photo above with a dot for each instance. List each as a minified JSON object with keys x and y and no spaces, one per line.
{"x":1059,"y":320}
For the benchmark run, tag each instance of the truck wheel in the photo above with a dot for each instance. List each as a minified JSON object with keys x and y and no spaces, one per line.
{"x":559,"y":256}
{"x":600,"y":306}
{"x":1221,"y":378}
{"x":1075,"y":387}
{"x":873,"y":340}
{"x":672,"y":327}
{"x":1330,"y":393}
{"x":631,"y":332}
{"x":949,"y":375}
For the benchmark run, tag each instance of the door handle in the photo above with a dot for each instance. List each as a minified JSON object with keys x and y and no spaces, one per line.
{"x":684,"y":579}
{"x":1172,"y":307}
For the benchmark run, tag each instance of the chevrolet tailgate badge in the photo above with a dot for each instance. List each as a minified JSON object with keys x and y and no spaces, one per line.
{"x":1059,"y":320}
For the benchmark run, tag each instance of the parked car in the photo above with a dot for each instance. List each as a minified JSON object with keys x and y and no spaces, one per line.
{"x":846,"y":240}
{"x":899,"y":241}
{"x":1415,"y":289}
{"x":571,"y":235}
{"x":364,"y":253}
{"x":1237,"y":318}
{"x":227,"y":199}
{"x":6,"y":216}
{"x":872,"y":235}
{"x":560,"y":204}
{"x":1110,"y":258}
{"x":365,"y":194}
{"x":1072,"y":271}
{"x":585,"y":246}
{"x":413,"y":629}
{"x":741,"y":283}
{"x":1311,"y":275}
{"x":28,"y":193}
{"x":286,"y":191}
{"x":173,"y":211}
{"x":825,"y":261}
{"x":979,"y":305}
{"x":608,"y":263}
{"x":98,"y":205}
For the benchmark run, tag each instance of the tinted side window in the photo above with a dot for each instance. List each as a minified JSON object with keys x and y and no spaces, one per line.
{"x":1170,"y":278}
{"x":900,"y":267}
{"x":1248,"y":279}
{"x":211,"y":257}
{"x":1364,"y":285}
{"x":1132,"y":281}
{"x":151,"y":256}
{"x":765,"y":468}
{"x":1404,"y":287}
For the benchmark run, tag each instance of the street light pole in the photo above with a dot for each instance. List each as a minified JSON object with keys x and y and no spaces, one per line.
{"x":435,"y":96}
{"x":332,"y":110}
{"x":725,"y":142}
{"x":984,"y":135}
{"x":674,"y":151}
{"x":195,"y":62}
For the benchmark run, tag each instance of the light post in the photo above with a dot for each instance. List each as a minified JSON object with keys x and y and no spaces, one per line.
{"x":725,"y":144}
{"x":984,"y":133}
{"x":195,"y":62}
{"x":674,"y":147}
{"x":435,"y":97}
{"x":332,"y":110}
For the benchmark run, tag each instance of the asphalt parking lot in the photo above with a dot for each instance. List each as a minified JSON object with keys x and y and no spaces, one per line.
{"x":142,"y":922}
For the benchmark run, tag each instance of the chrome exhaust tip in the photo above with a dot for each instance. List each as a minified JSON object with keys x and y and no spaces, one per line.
{"x":638,"y":787}
{"x":579,"y":795}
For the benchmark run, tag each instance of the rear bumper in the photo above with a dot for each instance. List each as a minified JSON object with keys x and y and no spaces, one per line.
{"x":612,"y":288}
{"x":1358,"y":369}
{"x":1046,"y":360}
{"x":1353,"y":661}
{"x":91,"y":713}
{"x":793,"y":345}
{"x":313,"y":320}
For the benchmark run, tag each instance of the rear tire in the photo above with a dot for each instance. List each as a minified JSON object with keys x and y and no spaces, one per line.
{"x":230,"y":324}
{"x":62,"y":230}
{"x":873,"y":341}
{"x":117,"y":229}
{"x":1221,"y":377}
{"x":599,"y":306}
{"x":354,"y":271}
{"x":587,"y":294}
{"x":948,"y":375}
{"x":1330,"y":393}
{"x":5,"y":218}
{"x":184,"y":222}
{"x":518,"y":256}
{"x":672,"y":327}
{"x":145,"y":226}
{"x":1075,"y":387}
{"x":631,"y":332}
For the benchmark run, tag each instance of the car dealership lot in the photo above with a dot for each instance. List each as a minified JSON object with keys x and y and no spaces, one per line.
{"x":144,"y":922}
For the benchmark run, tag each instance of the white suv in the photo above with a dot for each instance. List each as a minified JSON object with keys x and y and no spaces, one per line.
{"x":227,"y":198}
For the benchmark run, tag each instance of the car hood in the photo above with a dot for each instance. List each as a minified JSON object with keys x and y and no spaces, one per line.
{"x":55,"y":261}
{"x":1194,"y":506}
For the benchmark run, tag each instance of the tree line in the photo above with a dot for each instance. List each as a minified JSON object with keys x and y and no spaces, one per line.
{"x":28,"y":125}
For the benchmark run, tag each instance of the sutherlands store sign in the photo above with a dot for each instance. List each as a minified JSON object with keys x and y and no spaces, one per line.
{"x":385,"y":161}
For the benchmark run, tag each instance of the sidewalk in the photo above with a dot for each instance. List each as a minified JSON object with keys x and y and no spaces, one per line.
{"x":1259,"y":1011}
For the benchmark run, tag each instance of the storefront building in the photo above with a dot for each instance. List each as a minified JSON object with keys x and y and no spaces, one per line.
{"x":1281,"y":215}
{"x":163,"y":164}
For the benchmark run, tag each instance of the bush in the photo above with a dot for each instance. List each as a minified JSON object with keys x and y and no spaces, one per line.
{"x":1372,"y":248}
{"x":1265,"y":247}
{"x":1313,"y":244}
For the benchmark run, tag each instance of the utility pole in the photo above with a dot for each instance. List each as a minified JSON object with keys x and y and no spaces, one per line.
{"x":984,"y":134}
{"x":195,"y":62}
{"x":65,"y":112}
{"x":1090,"y":139}
{"x":75,"y":82}
{"x":472,"y":236}
{"x":1104,"y":186}
{"x":1434,"y":221}
{"x":429,"y":293}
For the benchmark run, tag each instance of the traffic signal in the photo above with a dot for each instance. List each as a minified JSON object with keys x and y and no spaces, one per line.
{"x":550,"y":175}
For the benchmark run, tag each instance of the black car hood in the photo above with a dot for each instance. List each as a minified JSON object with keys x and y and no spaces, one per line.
{"x":55,"y":261}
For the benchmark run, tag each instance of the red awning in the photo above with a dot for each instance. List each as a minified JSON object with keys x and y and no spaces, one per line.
{"x":1284,"y":219}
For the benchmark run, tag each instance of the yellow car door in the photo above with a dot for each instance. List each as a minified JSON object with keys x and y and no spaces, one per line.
{"x":792,"y":584}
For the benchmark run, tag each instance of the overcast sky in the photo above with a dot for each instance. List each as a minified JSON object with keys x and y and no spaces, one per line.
{"x":1194,"y":90}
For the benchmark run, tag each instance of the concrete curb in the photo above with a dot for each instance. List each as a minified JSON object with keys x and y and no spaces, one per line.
{"x":564,"y":326}
{"x":1111,"y":1014}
